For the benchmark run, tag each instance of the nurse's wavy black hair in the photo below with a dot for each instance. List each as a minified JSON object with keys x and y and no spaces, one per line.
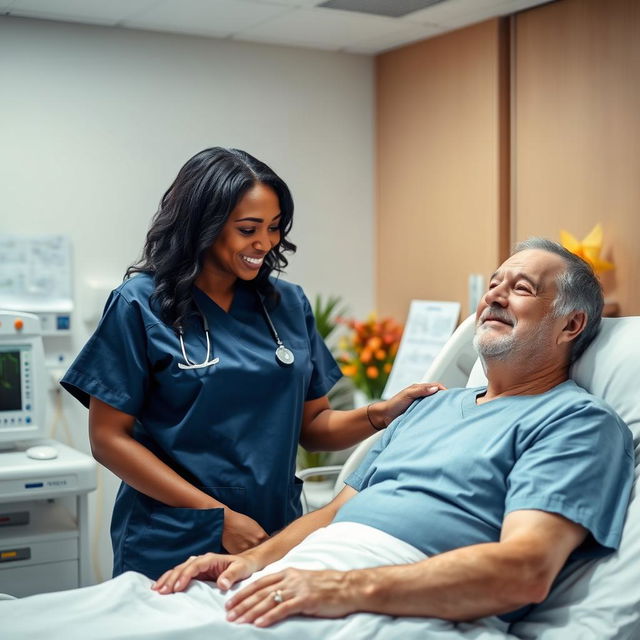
{"x":190,"y":217}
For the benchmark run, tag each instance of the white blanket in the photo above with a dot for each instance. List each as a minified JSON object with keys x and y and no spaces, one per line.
{"x":126,"y":607}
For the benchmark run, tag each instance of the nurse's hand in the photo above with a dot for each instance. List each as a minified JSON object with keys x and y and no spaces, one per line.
{"x":240,"y":532}
{"x":225,"y":570}
{"x":383,"y":412}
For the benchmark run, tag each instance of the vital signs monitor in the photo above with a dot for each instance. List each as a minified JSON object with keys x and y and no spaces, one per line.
{"x":22,"y":383}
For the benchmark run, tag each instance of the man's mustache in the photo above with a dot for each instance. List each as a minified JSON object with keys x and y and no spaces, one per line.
{"x":496,"y":313}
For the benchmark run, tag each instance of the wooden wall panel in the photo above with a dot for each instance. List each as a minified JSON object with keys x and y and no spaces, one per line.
{"x":576,"y":146}
{"x":440,"y":162}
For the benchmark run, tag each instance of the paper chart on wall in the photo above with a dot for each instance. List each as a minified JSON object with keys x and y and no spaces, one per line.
{"x":429,"y":326}
{"x":35,"y":272}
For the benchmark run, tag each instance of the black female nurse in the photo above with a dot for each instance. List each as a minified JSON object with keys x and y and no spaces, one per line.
{"x":206,"y":371}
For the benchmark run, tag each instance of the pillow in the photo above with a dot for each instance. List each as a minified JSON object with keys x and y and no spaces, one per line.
{"x":477,"y":377}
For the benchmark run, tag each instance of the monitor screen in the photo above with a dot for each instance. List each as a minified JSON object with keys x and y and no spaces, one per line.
{"x":23,"y":376}
{"x":17,"y":387}
{"x":10,"y":381}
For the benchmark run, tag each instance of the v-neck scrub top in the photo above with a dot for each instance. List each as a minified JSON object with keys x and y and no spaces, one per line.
{"x":231,"y":429}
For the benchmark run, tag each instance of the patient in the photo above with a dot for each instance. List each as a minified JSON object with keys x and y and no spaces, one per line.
{"x":467,"y":507}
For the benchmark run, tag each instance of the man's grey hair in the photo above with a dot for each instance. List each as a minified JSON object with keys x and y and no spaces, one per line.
{"x":578,"y":290}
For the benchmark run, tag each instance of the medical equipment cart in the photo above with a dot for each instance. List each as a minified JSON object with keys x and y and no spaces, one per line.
{"x":44,"y":484}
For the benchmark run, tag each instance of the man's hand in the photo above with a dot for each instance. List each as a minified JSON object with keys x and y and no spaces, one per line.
{"x":386,"y":411}
{"x":225,"y":570}
{"x":241,"y":532}
{"x":291,"y":592}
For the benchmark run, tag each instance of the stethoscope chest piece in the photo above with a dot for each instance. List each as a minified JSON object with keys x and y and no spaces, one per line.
{"x":284,"y":356}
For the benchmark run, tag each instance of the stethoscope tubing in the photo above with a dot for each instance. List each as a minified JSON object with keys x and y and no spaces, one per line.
{"x":283,"y":354}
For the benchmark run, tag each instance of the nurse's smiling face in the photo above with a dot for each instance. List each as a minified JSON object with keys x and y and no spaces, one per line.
{"x":252,"y":230}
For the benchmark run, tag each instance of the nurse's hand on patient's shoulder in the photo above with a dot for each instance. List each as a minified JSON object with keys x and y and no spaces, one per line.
{"x":225,"y":570}
{"x":383,"y":412}
{"x":240,"y":532}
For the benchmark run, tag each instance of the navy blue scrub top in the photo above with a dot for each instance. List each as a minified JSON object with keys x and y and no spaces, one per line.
{"x":231,"y":429}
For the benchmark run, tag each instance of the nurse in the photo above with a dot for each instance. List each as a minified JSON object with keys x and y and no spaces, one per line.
{"x":206,"y":370}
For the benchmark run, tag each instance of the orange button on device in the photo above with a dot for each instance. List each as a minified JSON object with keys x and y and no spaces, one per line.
{"x":18,"y":323}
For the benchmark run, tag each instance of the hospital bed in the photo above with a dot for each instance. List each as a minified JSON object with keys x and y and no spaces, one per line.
{"x":595,"y":599}
{"x":591,"y":600}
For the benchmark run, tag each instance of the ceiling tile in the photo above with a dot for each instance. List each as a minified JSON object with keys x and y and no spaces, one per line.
{"x":440,"y":13}
{"x":520,"y":5}
{"x":411,"y":33}
{"x":328,"y":28}
{"x":320,"y":45}
{"x":214,"y":17}
{"x":484,"y":13}
{"x":78,"y":10}
{"x":292,"y":3}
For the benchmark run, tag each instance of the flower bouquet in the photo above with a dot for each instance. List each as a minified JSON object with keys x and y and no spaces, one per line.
{"x":366,"y":355}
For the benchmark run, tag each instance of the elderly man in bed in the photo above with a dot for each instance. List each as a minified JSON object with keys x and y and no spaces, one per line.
{"x":466,"y":508}
{"x":483,"y":493}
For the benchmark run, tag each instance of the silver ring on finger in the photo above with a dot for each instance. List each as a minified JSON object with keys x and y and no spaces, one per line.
{"x":277,"y":596}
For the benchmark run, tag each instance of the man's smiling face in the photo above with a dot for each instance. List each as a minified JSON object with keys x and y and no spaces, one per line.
{"x":515,"y":316}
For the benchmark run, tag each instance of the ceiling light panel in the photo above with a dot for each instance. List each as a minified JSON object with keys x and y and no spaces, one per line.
{"x":389,"y":8}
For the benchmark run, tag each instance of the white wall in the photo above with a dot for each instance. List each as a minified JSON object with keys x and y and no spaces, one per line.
{"x":95,"y":123}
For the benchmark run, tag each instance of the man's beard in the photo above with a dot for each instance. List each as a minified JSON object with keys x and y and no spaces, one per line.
{"x":498,"y":348}
{"x":502,"y":347}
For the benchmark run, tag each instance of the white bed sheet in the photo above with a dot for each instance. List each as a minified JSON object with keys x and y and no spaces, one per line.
{"x":127,"y":609}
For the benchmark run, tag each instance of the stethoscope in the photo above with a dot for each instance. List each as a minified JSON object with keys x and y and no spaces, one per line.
{"x":283,"y":355}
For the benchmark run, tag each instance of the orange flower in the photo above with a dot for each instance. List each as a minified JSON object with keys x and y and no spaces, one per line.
{"x":365,"y":356}
{"x":380,"y":354}
{"x":387,"y":367}
{"x":349,"y":370}
{"x":374,"y":343}
{"x":372,"y":372}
